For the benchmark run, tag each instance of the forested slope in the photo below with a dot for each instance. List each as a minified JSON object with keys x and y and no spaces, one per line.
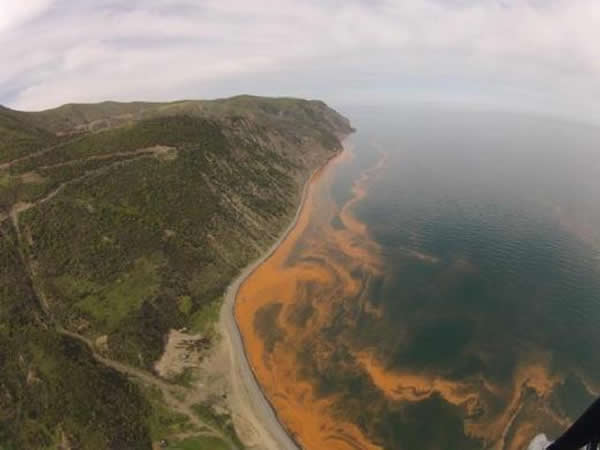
{"x":120,"y":222}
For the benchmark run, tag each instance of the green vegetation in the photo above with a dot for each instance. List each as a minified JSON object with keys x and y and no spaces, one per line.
{"x":126,"y":240}
{"x":113,"y":303}
{"x":311,"y":118}
{"x":51,"y":387}
{"x":220,"y":421}
{"x":162,"y":422}
{"x":200,"y":443}
{"x":18,"y":137}
{"x":169,"y":131}
{"x":201,"y":321}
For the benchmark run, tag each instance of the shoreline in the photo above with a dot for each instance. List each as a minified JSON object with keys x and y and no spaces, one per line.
{"x":273,"y":433}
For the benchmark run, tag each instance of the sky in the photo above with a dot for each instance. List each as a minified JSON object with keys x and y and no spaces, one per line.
{"x":534,"y":55}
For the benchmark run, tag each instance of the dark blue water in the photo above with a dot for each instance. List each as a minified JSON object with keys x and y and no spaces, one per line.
{"x":489,"y":226}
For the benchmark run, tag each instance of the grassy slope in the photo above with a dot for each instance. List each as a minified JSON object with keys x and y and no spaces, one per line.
{"x":19,"y":137}
{"x":50,"y":385}
{"x":132,"y":245}
{"x":288,"y":115}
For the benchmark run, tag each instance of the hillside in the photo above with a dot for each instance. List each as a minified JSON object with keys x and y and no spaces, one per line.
{"x":120,"y":223}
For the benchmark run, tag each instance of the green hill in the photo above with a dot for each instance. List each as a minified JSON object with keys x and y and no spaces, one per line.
{"x":118,"y":223}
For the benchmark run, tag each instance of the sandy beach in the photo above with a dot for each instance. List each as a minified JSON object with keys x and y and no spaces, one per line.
{"x":247,"y":398}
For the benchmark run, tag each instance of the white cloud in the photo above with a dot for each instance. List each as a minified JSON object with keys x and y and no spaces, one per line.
{"x":14,"y":13}
{"x":514,"y":53}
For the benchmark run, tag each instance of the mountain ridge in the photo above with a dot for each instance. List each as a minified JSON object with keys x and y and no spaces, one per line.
{"x":74,"y":115}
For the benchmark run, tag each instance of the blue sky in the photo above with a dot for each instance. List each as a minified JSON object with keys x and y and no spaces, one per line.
{"x":536,"y":55}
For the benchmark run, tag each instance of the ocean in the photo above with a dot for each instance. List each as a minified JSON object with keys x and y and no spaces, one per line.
{"x":442,"y":287}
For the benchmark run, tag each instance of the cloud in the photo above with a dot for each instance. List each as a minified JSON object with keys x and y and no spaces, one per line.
{"x":14,"y":13}
{"x":533,"y":54}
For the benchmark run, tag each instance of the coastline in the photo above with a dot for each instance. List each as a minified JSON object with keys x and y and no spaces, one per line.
{"x":254,"y":403}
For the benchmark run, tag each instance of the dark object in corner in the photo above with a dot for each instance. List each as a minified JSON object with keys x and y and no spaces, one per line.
{"x":584,"y":432}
